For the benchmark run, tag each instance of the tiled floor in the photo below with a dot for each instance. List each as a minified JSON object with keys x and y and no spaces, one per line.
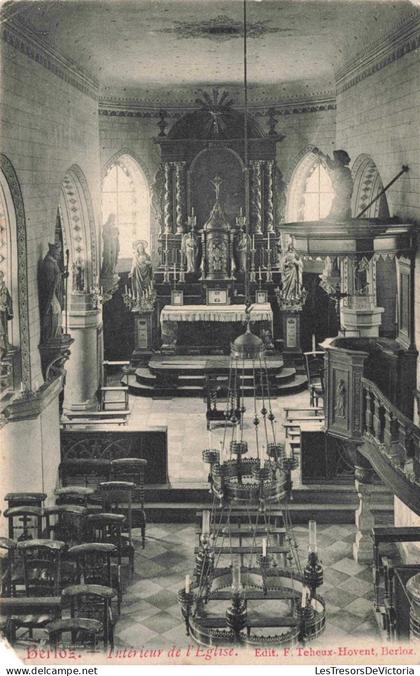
{"x":187,"y":433}
{"x":151,"y":617}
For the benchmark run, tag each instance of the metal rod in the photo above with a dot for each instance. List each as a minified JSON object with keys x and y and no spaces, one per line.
{"x":246,"y":168}
{"x":404,"y":170}
{"x":66,"y":272}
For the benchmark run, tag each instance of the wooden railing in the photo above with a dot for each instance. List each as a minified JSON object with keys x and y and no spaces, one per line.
{"x":394,"y":444}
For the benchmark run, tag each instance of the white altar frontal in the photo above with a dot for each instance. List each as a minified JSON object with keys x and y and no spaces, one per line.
{"x":172,"y":316}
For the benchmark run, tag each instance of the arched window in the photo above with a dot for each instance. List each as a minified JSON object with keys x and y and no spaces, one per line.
{"x":8,"y":257}
{"x":310,"y":191}
{"x":125,"y":193}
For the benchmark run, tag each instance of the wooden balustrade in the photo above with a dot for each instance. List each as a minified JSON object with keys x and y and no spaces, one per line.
{"x":397,"y":435}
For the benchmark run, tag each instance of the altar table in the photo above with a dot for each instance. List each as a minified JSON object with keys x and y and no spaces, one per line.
{"x":173,"y":315}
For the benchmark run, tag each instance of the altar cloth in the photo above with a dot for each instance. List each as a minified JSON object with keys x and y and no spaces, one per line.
{"x":215,"y":313}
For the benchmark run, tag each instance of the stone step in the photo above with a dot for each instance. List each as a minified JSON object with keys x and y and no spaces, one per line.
{"x":299,"y":383}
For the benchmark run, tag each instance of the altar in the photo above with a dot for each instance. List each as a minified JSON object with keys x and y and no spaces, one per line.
{"x":210,"y":328}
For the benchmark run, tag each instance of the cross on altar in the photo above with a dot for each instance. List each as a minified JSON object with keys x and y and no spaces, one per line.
{"x":217,"y":182}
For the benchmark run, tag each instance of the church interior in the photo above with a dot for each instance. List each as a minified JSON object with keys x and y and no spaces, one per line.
{"x":209,"y":325}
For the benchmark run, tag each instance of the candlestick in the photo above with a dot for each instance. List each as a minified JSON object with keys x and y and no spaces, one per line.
{"x":205,"y":524}
{"x":264,"y":547}
{"x":312,"y":536}
{"x":192,"y":211}
{"x":187,"y":584}
{"x":313,"y":343}
{"x":236,"y":574}
{"x":259,"y":273}
{"x":210,"y":439}
{"x":253,"y":242}
{"x":304,"y":595}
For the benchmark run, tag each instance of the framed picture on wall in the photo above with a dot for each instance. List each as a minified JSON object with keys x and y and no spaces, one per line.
{"x":177,"y":297}
{"x":217,"y":297}
{"x":261,"y":296}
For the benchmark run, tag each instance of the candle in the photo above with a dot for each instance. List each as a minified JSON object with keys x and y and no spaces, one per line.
{"x":259,"y":273}
{"x":22,"y":389}
{"x":166,"y":242}
{"x":264,"y":547}
{"x":175,"y":271}
{"x":187,"y":584}
{"x":236,"y":574}
{"x":241,"y":212}
{"x":304,"y":594}
{"x":205,"y":524}
{"x":313,"y":343}
{"x":192,"y":211}
{"x":209,"y":438}
{"x":312,"y":536}
{"x":253,"y":242}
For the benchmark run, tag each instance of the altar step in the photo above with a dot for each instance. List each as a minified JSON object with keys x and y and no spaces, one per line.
{"x":334,"y":503}
{"x":171,"y":376}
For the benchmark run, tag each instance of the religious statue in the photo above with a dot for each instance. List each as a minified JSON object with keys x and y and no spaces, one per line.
{"x":78,"y":276}
{"x":141,"y":273}
{"x":190,"y":250}
{"x":242,"y":246}
{"x":361,"y":284}
{"x":111,"y":247}
{"x":291,"y":266}
{"x":342,"y":182}
{"x":340,"y":403}
{"x":6,"y":314}
{"x":51,"y":293}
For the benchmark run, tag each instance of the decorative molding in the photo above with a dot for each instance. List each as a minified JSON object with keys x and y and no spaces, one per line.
{"x":22,"y":38}
{"x":222,"y":28}
{"x":404,"y":39}
{"x":22,"y":262}
{"x":29,"y":405}
{"x":116,"y":107}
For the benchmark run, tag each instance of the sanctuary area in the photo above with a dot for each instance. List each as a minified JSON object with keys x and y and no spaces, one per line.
{"x":209,"y":320}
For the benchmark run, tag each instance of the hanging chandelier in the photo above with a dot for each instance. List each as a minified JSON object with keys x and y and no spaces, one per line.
{"x":248,"y":586}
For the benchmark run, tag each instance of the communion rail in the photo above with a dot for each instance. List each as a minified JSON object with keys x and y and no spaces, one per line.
{"x":391,"y":443}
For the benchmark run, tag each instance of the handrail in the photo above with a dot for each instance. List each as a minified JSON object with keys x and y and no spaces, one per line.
{"x":372,"y":387}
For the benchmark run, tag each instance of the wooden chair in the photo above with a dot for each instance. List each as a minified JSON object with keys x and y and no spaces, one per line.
{"x":25,"y":523}
{"x":83,"y":633}
{"x":92,"y":601}
{"x":94,"y":566}
{"x":41,"y":576}
{"x":133,"y":470}
{"x":65,"y":522}
{"x":8,"y":549}
{"x":314,"y":363}
{"x":104,"y":527}
{"x":117,"y":498}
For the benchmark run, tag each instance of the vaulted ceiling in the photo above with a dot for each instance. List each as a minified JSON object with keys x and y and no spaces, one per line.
{"x":135,"y":47}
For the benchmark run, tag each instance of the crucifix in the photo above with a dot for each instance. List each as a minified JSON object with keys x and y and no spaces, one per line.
{"x":217,"y":182}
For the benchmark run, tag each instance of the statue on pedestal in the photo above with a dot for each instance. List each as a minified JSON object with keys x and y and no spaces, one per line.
{"x":141,"y":273}
{"x":51,"y":294}
{"x":190,"y":250}
{"x":6,"y":314}
{"x":342,"y":182}
{"x":242,"y":246}
{"x":291,"y":266}
{"x":78,"y":276}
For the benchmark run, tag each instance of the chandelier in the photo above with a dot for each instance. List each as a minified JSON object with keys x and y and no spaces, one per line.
{"x":248,"y":586}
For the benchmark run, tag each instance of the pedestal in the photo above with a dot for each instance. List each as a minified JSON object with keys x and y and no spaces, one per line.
{"x":85,"y":363}
{"x":361,"y":317}
{"x":291,"y":321}
{"x":364,"y":519}
{"x":143,"y":336}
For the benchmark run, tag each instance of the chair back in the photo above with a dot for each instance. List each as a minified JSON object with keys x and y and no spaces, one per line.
{"x":79,"y":632}
{"x":93,"y":561}
{"x":130,"y":470}
{"x":106,"y":527}
{"x":25,"y":522}
{"x":25,"y":499}
{"x":66,"y":522}
{"x":92,"y":601}
{"x":314,"y":363}
{"x":41,"y":566}
{"x":74,"y":495}
{"x":117,"y":497}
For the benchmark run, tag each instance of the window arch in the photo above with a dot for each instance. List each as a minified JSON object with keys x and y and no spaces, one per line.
{"x":125,"y":193}
{"x":367,"y":184}
{"x":310,"y":191}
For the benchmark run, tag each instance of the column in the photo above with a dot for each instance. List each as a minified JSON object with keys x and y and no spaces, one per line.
{"x":83,"y":378}
{"x":256,"y":196}
{"x":180,"y":196}
{"x":167,"y":201}
{"x":270,"y":168}
{"x":364,"y":519}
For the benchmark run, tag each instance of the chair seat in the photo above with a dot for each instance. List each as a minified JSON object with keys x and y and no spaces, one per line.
{"x":32,"y":621}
